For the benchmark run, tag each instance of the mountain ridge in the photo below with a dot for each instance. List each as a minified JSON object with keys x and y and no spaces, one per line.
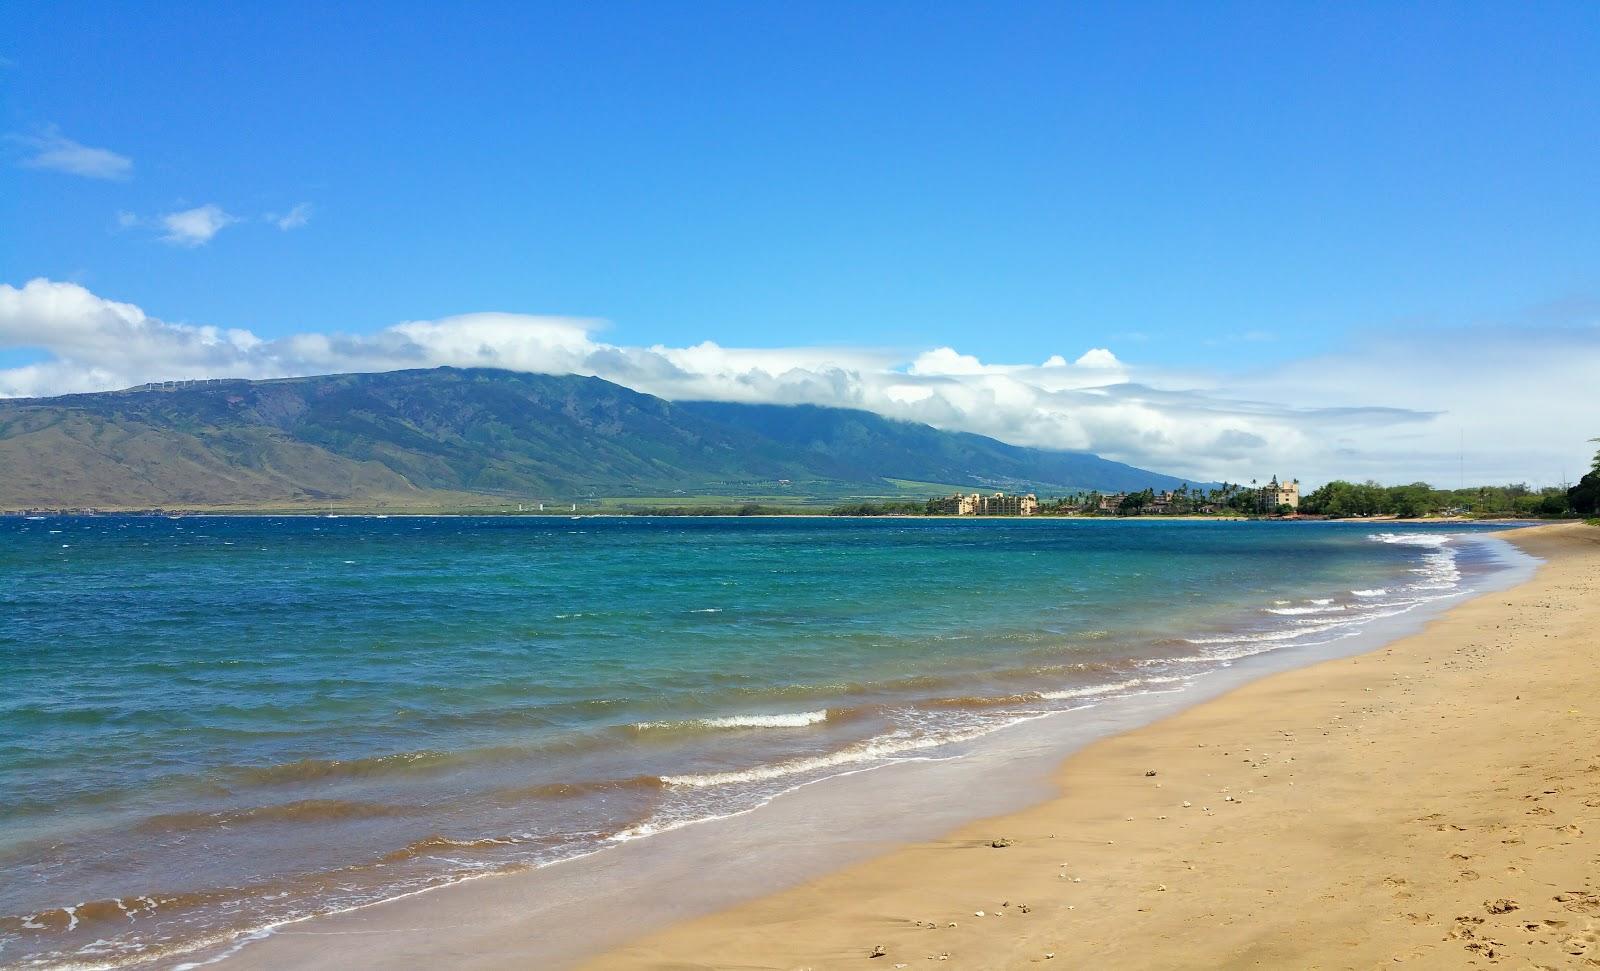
{"x":459,"y":437}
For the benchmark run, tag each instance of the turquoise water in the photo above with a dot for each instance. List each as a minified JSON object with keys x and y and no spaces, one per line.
{"x":208,"y":725}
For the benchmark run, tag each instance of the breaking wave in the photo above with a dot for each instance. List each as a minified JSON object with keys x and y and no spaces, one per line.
{"x":1411,"y":539}
{"x":1105,"y":689}
{"x":795,"y":720}
{"x":872,"y":750}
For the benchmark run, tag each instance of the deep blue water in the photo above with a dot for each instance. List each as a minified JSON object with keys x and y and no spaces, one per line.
{"x":207,"y":724}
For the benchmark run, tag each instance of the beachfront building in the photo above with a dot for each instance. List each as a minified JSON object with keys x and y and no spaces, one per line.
{"x":1161,"y":504}
{"x":1112,"y":502}
{"x":999,"y":504}
{"x":1275,"y":494}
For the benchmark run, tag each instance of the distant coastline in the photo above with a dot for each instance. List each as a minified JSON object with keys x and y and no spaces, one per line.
{"x":764,"y":513}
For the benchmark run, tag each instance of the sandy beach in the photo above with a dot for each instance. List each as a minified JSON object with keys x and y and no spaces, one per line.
{"x":1433,"y":804}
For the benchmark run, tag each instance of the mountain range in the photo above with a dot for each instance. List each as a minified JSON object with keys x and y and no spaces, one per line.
{"x":459,"y":438}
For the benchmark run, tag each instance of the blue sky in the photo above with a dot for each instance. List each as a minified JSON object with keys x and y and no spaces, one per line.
{"x":1199,"y":188}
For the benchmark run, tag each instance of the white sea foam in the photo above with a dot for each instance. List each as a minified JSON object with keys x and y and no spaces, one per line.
{"x":1246,"y":649}
{"x":1268,"y":636}
{"x":1411,"y":539}
{"x":795,"y":720}
{"x":1247,"y":645}
{"x":1438,"y":576}
{"x":1438,"y":572}
{"x":876,"y":749}
{"x":1088,"y":691}
{"x":1094,"y":690}
{"x":657,"y":826}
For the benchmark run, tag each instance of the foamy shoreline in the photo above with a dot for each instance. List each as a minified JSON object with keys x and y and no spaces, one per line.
{"x":1433,"y":803}
{"x":1009,"y":776}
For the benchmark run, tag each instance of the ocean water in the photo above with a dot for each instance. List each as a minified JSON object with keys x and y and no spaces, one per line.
{"x":213,"y":725}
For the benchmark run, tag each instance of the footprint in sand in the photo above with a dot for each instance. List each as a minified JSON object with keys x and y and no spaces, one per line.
{"x":1582,"y":944}
{"x":1397,"y":886}
{"x":1579,"y":902}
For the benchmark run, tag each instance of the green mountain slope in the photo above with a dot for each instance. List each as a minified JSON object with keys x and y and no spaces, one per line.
{"x":446,"y":436}
{"x":879,"y":447}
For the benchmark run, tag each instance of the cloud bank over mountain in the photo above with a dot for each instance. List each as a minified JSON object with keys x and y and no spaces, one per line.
{"x":1395,"y":408}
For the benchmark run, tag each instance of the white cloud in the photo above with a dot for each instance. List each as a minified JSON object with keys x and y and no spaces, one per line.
{"x":1098,"y":357}
{"x":296,"y":217}
{"x":55,"y":152}
{"x":195,"y":227}
{"x":1393,"y":408}
{"x":945,"y":360}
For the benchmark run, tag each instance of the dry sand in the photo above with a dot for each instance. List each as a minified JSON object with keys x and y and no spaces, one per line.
{"x":1433,"y":804}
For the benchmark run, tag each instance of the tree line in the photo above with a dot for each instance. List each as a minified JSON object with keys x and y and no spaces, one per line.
{"x":1338,"y":499}
{"x":1345,"y":499}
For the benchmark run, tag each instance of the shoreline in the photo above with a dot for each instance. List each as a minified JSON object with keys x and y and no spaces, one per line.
{"x":493,"y":921}
{"x":1434,"y":803}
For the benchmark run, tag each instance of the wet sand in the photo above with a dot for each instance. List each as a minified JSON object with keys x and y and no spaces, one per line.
{"x":1435,"y":804}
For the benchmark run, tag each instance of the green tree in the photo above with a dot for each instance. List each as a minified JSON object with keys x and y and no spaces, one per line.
{"x":1584,"y":498}
{"x":1134,"y":502}
{"x":1409,"y":501}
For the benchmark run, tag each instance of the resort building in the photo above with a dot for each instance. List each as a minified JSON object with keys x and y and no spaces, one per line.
{"x":1160,"y":504}
{"x":998,"y":504}
{"x":1275,"y":494}
{"x":1112,"y":502}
